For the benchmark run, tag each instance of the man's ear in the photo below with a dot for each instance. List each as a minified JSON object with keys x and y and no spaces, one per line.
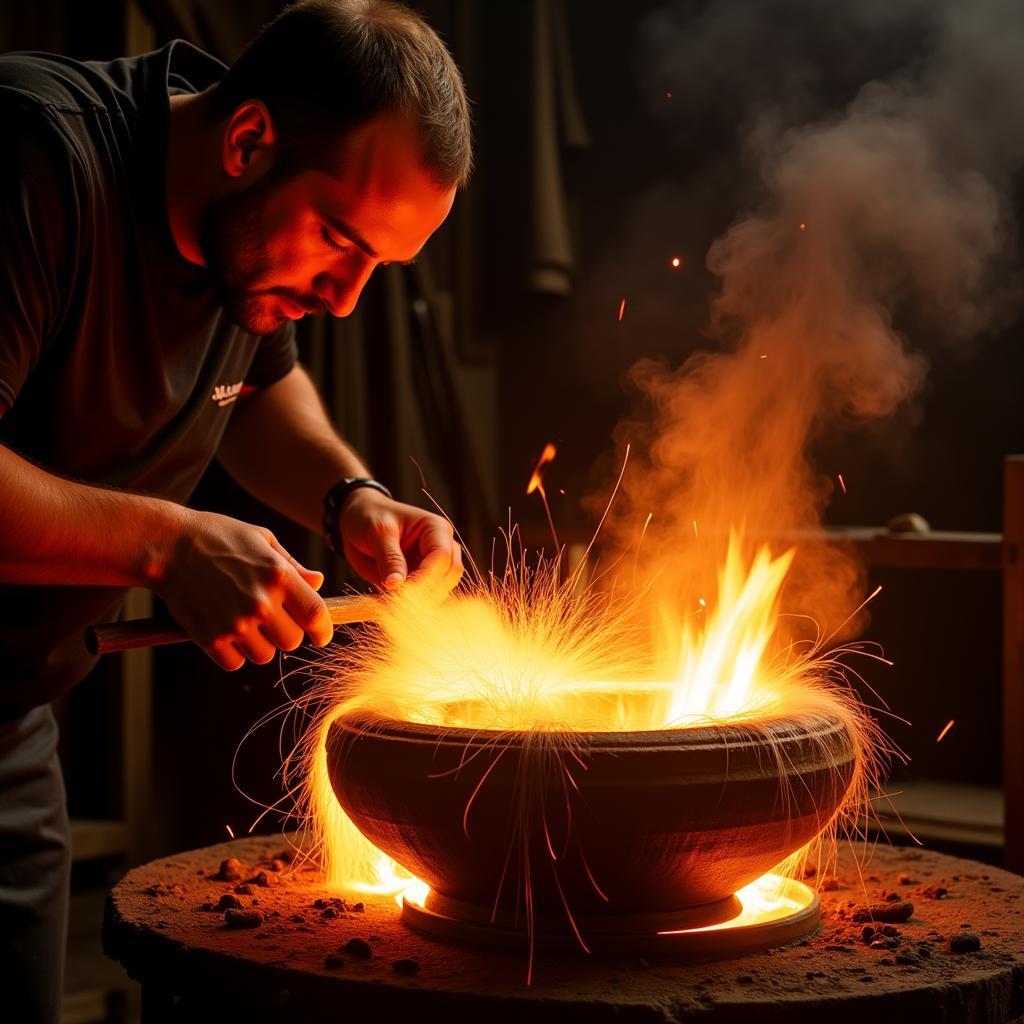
{"x":249,"y":143}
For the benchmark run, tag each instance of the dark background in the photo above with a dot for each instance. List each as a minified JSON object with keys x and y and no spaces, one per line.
{"x":660,"y":178}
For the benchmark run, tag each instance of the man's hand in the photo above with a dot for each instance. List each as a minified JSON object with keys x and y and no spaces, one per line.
{"x":385,"y":541}
{"x":239,"y":594}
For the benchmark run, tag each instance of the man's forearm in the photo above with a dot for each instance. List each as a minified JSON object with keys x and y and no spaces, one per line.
{"x":281,"y":447}
{"x":54,"y":530}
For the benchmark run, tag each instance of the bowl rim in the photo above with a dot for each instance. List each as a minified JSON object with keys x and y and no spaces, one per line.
{"x":782,"y":726}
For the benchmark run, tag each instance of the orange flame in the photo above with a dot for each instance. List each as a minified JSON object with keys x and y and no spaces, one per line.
{"x":537,"y":481}
{"x":526,"y":653}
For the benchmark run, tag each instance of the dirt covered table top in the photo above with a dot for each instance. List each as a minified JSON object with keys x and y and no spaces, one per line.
{"x":266,"y":940}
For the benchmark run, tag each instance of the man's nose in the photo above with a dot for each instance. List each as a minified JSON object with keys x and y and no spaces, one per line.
{"x":340,"y":293}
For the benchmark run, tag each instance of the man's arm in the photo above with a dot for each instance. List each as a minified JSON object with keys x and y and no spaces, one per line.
{"x":282,"y":448}
{"x":230,"y":585}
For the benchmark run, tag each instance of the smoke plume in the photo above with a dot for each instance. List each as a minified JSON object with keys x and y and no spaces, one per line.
{"x":898,"y":202}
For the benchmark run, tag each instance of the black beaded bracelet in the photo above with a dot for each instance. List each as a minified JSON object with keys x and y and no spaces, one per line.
{"x":333,"y":501}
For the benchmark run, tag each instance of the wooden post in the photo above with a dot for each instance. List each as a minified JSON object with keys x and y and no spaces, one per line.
{"x":1013,"y":660}
{"x":137,"y":737}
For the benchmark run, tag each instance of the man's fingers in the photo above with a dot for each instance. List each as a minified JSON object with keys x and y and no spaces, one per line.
{"x":363,"y":564}
{"x":283,"y":631}
{"x":438,"y":549}
{"x":391,"y":565}
{"x":313,"y":618}
{"x":256,"y":647}
{"x":302,"y":603}
{"x":457,"y":569}
{"x":307,"y":609}
{"x":226,"y":655}
{"x":454,"y":574}
{"x":311,"y":577}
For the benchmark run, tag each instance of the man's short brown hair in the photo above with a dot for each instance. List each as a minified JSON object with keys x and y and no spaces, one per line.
{"x":324,"y":67}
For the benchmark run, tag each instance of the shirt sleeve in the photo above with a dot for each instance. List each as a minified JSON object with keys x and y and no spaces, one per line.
{"x":276,"y":355}
{"x":39,"y":227}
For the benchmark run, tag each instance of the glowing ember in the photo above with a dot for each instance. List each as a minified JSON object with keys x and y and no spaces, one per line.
{"x":391,"y":879}
{"x":536,"y":480}
{"x":537,"y":484}
{"x":942,"y":735}
{"x":770,"y":898}
{"x":675,"y":261}
{"x":622,"y":309}
{"x":842,"y":482}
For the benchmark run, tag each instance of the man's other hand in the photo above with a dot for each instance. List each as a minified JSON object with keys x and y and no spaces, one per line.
{"x":239,"y":594}
{"x":386,"y":541}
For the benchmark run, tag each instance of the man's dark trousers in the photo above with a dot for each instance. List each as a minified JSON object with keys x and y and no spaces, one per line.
{"x":35,"y":861}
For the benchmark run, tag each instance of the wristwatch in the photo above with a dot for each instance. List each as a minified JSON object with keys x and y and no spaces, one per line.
{"x":334,"y":499}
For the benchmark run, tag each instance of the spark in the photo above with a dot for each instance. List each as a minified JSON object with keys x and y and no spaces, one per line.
{"x":232,"y":834}
{"x":537,"y":484}
{"x":668,"y":94}
{"x":695,"y":527}
{"x":536,"y":481}
{"x":622,"y":309}
{"x":803,"y":227}
{"x":676,"y":261}
{"x":702,"y":602}
{"x":842,"y":482}
{"x":643,"y":533}
{"x":949,"y":725}
{"x":763,"y":355}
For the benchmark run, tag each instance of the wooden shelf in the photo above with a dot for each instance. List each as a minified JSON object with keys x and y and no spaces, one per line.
{"x":979,"y":552}
{"x":94,"y":838}
{"x":948,"y":812}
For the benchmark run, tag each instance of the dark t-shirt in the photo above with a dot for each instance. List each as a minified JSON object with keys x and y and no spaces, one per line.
{"x":117,"y":365}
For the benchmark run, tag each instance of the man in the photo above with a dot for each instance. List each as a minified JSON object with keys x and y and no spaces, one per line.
{"x":162,"y":223}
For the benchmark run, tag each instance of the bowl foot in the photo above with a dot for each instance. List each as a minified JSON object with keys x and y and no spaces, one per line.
{"x":711,"y":930}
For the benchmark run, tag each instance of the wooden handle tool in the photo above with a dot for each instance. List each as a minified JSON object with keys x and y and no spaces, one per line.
{"x":162,"y":629}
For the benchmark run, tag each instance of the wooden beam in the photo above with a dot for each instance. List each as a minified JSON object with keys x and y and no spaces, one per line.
{"x":1013,"y":660}
{"x":877,"y":546}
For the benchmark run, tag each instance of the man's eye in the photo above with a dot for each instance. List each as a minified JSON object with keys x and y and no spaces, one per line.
{"x":336,"y":246}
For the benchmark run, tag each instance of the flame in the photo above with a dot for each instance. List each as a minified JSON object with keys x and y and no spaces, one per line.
{"x":768,"y":898}
{"x":536,"y":480}
{"x":719,"y":670}
{"x":533,"y":650}
{"x":391,"y":879}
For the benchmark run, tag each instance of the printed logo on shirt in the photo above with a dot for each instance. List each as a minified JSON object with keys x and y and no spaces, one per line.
{"x":225,"y":394}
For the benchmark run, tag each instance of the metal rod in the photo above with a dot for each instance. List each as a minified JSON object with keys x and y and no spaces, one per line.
{"x":162,"y":629}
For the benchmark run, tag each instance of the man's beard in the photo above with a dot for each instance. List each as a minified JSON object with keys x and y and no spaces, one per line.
{"x":234,"y":246}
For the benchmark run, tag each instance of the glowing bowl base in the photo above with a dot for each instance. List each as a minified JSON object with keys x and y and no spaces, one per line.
{"x":730,"y":927}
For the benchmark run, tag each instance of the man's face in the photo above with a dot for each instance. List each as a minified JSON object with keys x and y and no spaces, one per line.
{"x":285,"y":246}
